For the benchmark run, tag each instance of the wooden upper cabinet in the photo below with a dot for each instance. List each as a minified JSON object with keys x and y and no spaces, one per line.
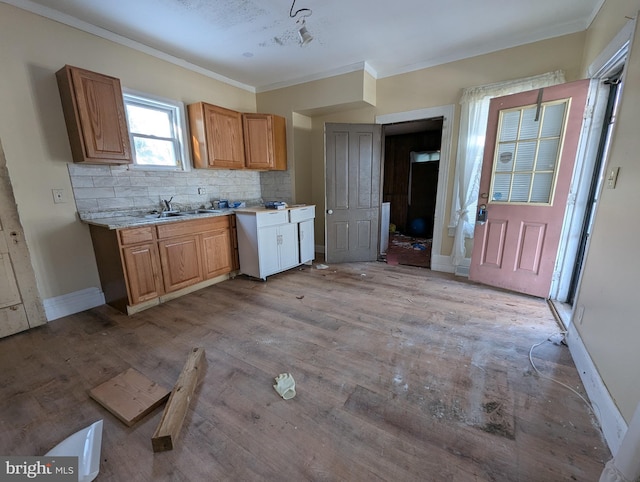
{"x":265,"y":141}
{"x":95,"y":116}
{"x":216,"y":136}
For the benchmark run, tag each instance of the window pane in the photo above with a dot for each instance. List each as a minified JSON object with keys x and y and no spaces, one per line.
{"x":154,"y":152}
{"x":553,"y":120}
{"x":541,"y":192}
{"x":529,"y":129}
{"x":520,"y":188}
{"x":148,"y":121}
{"x":547,"y":155}
{"x":501,"y":183}
{"x":526,"y":154}
{"x":505,"y":157}
{"x":509,"y":129}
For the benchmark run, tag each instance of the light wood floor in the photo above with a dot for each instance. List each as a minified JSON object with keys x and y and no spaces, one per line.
{"x":402,"y":374}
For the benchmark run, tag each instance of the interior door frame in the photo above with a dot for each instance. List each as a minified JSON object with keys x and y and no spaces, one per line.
{"x":18,"y":250}
{"x":447,"y":112}
{"x":606,"y":64}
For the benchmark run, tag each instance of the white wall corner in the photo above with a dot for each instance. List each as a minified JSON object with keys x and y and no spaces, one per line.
{"x":611,"y":421}
{"x":71,"y":303}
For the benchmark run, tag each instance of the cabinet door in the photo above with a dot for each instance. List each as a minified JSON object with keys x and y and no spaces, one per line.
{"x":307,"y":243}
{"x":235,"y":258}
{"x":265,"y":141}
{"x":217,"y":255}
{"x":288,"y":246}
{"x":95,"y":116}
{"x":180,"y":259}
{"x":268,"y":250}
{"x":258,"y":141}
{"x":223,"y":137}
{"x":142,"y":272}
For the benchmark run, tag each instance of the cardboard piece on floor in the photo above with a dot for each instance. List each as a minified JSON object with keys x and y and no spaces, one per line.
{"x":174,"y":412}
{"x":130,"y":396}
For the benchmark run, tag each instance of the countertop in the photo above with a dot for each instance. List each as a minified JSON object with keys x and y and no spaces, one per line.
{"x":119,"y":222}
{"x":262,"y":209}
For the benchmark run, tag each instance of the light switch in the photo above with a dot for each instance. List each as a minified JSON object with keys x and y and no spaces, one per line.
{"x":612,"y":177}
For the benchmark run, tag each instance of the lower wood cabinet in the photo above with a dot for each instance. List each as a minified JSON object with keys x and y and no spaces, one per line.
{"x":142,"y":272}
{"x":181,"y":262}
{"x":143,"y":264}
{"x":217,"y":253}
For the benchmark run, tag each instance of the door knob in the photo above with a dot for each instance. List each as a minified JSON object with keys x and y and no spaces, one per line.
{"x":329,"y":211}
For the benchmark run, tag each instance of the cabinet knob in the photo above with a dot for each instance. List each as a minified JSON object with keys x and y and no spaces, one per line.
{"x":329,"y":211}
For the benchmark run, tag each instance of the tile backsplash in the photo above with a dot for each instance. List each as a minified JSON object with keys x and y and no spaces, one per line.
{"x":112,"y":190}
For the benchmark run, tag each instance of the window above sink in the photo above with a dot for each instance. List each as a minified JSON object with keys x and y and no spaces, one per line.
{"x":157,"y":130}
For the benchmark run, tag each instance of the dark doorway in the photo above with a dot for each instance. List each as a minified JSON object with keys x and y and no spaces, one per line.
{"x":410,"y":183}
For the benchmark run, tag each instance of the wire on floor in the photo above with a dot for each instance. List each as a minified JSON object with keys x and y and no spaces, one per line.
{"x":563,"y":334}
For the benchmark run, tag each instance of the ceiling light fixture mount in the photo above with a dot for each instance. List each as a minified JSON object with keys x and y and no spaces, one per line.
{"x":303,"y":32}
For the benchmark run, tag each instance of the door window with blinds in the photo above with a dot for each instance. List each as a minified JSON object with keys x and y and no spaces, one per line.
{"x":527,"y":154}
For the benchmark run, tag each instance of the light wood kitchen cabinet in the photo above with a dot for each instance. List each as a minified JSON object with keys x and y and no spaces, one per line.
{"x":181,"y":262}
{"x":142,"y":271}
{"x":216,"y":136}
{"x":141,"y":263}
{"x":95,"y":116}
{"x":142,"y":266}
{"x":235,"y":258}
{"x":265,"y":141}
{"x":216,"y":251}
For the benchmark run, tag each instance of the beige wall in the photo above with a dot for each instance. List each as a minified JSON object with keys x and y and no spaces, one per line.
{"x":609,"y":290}
{"x":342,"y":99}
{"x":35,"y":141}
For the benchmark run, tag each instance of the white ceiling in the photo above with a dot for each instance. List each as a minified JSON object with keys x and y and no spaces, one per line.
{"x":254,"y":43}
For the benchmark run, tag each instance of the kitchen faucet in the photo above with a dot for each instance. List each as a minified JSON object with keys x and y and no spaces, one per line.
{"x":167,"y":204}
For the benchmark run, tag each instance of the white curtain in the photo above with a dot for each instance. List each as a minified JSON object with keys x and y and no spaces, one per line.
{"x":473,"y":125}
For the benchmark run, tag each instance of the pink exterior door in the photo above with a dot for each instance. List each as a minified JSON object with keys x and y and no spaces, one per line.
{"x":529,"y":156}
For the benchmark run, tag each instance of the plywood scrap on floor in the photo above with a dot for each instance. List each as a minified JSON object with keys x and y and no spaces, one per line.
{"x":174,"y":412}
{"x":130,"y":396}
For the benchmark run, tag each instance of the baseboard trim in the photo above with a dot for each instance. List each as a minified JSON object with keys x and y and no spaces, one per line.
{"x":442,"y":263}
{"x":611,"y":421}
{"x":463,"y":268}
{"x":71,"y":303}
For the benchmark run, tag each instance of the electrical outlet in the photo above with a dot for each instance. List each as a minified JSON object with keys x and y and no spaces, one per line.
{"x":59,"y":196}
{"x":202,"y":190}
{"x":580,"y":314}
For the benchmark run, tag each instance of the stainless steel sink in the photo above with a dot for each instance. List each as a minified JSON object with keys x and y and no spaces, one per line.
{"x":201,"y":211}
{"x":171,"y":214}
{"x":206,"y":211}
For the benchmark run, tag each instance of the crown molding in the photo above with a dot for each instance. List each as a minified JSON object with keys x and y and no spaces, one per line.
{"x":74,"y":22}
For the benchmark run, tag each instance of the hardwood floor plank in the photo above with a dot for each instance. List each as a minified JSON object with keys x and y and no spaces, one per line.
{"x":401,"y":374}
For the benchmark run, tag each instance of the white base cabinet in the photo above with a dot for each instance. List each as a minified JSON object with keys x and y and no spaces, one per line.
{"x":271,"y":241}
{"x":303,"y":216}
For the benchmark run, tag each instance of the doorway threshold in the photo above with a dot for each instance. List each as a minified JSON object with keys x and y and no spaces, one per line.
{"x":562,"y":312}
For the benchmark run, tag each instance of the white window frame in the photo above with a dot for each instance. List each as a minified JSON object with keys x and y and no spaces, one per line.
{"x":177,"y":110}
